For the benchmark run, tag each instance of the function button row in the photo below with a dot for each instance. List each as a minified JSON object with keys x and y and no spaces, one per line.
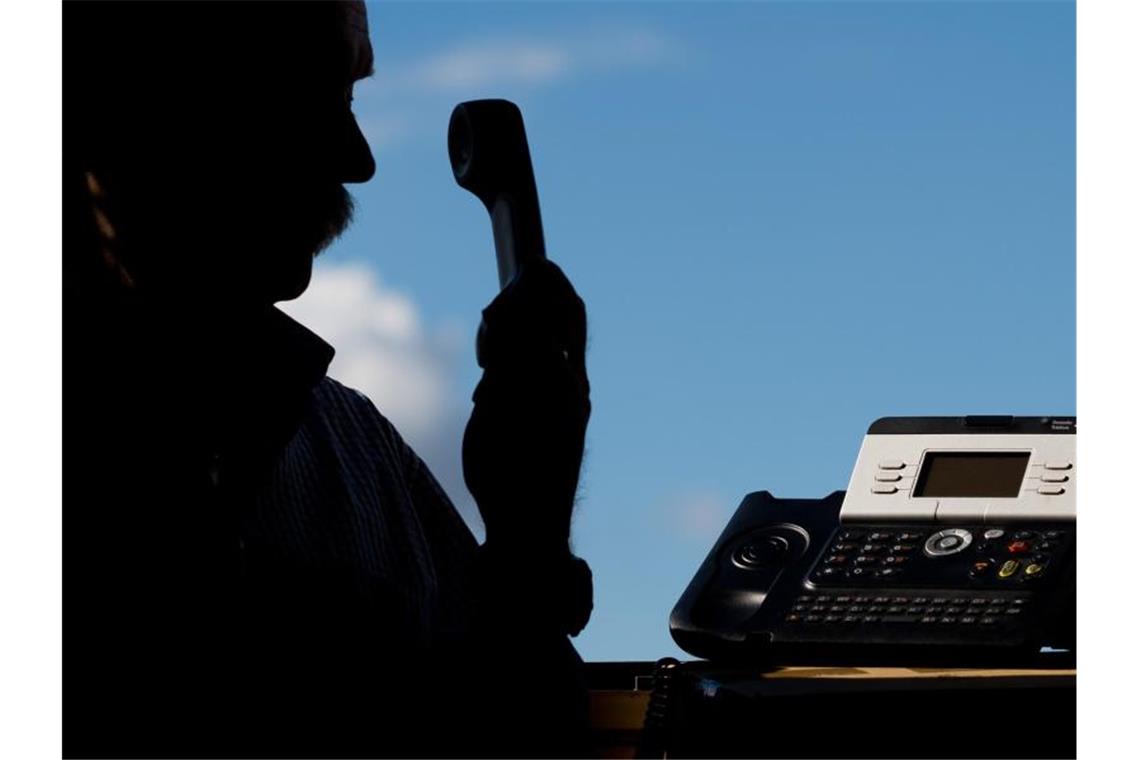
{"x":971,"y":603}
{"x":851,"y":549}
{"x":878,"y":536}
{"x":1022,"y":542}
{"x":893,"y":618}
{"x":860,"y":572}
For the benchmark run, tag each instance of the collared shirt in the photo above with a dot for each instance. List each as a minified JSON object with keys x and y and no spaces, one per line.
{"x":253,"y":555}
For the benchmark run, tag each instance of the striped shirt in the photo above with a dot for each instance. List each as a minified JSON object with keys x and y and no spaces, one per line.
{"x":255,"y":561}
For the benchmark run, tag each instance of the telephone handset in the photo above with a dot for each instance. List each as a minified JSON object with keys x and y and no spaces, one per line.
{"x":486,"y":143}
{"x":955,"y":543}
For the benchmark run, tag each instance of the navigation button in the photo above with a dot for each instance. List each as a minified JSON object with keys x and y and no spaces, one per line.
{"x":948,"y":541}
{"x":898,"y":464}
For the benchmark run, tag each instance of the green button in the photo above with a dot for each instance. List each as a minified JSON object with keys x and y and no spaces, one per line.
{"x":1009,"y":568}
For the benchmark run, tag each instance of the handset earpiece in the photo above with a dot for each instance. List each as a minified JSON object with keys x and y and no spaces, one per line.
{"x":486,"y":142}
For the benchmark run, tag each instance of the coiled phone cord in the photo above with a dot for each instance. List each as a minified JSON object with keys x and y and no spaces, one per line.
{"x":659,"y":712}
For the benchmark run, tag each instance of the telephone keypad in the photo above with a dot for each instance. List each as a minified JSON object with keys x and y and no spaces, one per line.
{"x":881,"y":555}
{"x":975,"y":587}
{"x":945,"y":610}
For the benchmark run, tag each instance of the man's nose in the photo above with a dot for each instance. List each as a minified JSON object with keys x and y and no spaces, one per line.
{"x":357,"y":165}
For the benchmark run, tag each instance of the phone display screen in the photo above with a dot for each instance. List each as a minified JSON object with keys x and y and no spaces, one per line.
{"x":994,"y":474}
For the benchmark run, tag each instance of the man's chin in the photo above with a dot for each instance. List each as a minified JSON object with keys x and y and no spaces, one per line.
{"x":291,"y":281}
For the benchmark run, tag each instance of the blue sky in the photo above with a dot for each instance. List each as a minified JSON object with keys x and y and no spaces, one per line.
{"x":786,"y":220}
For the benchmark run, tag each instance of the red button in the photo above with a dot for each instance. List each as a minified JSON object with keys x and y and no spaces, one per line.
{"x":1017,"y":547}
{"x":981,"y":568}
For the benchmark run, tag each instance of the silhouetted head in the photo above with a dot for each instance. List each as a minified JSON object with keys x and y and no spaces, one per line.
{"x":211,"y":141}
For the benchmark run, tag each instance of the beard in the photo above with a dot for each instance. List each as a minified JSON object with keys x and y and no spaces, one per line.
{"x":332,"y":214}
{"x":293,"y":230}
{"x":200,"y":236}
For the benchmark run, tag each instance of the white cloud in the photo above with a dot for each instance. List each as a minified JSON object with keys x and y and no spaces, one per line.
{"x":479,"y":66}
{"x":384,"y":350}
{"x":405,"y":95}
{"x":698,"y":515}
{"x":511,"y":61}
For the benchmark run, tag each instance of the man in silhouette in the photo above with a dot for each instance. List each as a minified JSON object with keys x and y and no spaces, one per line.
{"x":255,"y":563}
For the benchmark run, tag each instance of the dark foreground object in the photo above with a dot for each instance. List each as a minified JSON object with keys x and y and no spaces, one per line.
{"x":713,"y":711}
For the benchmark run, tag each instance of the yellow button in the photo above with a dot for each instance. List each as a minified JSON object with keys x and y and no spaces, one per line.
{"x":1009,"y":568}
{"x":1034,"y":569}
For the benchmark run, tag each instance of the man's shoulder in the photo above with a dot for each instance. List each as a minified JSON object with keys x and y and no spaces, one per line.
{"x":349,"y":414}
{"x":330,"y":392}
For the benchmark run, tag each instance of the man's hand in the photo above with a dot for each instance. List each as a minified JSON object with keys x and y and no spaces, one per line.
{"x":523,"y":446}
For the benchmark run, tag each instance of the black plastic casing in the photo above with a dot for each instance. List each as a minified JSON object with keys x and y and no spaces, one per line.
{"x":734,"y":610}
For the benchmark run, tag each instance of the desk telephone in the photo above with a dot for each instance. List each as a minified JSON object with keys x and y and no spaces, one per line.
{"x":955,"y":541}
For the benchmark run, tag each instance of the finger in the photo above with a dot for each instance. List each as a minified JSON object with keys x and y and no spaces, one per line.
{"x":538,"y":315}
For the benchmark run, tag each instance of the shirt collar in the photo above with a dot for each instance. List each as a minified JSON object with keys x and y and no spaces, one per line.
{"x":132,"y":336}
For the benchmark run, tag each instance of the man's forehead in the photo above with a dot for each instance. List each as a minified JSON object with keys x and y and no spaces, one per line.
{"x":354,"y":22}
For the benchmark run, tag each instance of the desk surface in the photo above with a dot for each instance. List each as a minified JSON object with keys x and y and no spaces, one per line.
{"x":723,"y":696}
